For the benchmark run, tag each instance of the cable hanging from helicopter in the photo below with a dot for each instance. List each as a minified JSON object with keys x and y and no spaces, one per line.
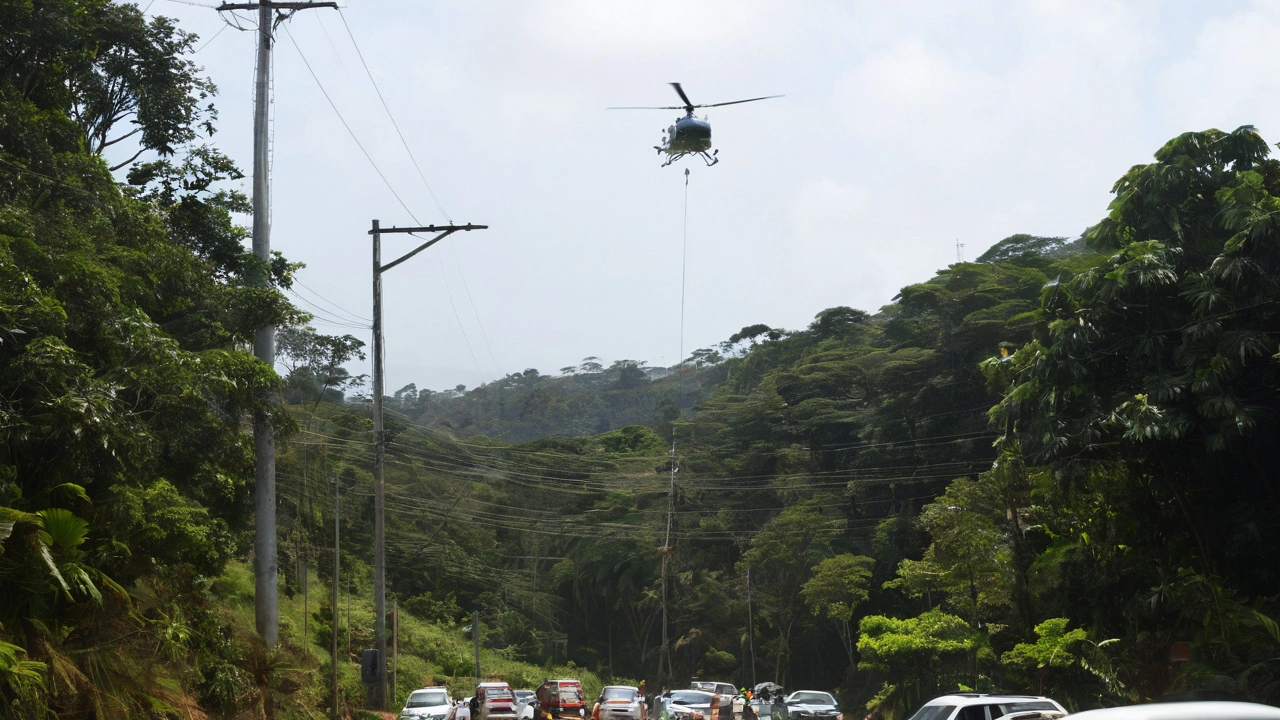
{"x":690,"y":135}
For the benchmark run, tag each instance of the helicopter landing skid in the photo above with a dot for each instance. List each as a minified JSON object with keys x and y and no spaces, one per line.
{"x":708,"y":159}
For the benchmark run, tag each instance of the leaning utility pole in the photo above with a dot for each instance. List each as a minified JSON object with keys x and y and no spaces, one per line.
{"x":377,"y":699}
{"x":266,"y":606}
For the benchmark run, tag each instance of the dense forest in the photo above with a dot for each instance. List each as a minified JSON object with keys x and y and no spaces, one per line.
{"x":1048,"y":470}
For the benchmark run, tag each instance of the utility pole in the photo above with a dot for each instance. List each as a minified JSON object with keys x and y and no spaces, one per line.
{"x":303,"y":543}
{"x":266,"y":605}
{"x":959,"y":251}
{"x":337,"y":560}
{"x":664,"y":659}
{"x":751,"y":635}
{"x":395,"y":648}
{"x":475,"y":636}
{"x":378,"y":695}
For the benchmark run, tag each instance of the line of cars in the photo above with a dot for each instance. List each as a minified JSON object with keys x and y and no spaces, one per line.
{"x":553,"y":700}
{"x":564,"y":700}
{"x":765,"y":702}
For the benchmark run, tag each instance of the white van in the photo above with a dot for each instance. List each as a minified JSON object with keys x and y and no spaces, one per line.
{"x":981,"y":706}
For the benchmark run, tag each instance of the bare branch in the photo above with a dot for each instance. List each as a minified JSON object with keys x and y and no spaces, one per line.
{"x":109,"y":143}
{"x":126,"y":162}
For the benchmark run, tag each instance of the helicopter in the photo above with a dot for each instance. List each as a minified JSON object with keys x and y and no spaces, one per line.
{"x":689,"y":135}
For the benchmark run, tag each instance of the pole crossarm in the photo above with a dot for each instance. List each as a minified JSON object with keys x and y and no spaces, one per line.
{"x":445,"y":231}
{"x":276,"y":5}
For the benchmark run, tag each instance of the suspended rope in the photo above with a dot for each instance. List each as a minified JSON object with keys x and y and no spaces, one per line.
{"x":684,"y":260}
{"x":665,"y":658}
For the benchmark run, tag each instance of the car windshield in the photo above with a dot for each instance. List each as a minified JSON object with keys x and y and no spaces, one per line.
{"x":498,"y":693}
{"x":619,"y":693}
{"x":427,"y":698}
{"x":1006,"y":708}
{"x":691,"y":697}
{"x":813,"y":698}
{"x":522,"y":694}
{"x":933,"y":712}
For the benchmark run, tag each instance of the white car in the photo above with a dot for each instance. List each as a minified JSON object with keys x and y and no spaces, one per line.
{"x":1200,"y":710}
{"x":524,"y":704}
{"x":430,"y":703}
{"x":812,"y":705}
{"x":981,"y":706}
{"x":495,"y":701}
{"x":719,"y":688}
{"x":620,"y":702}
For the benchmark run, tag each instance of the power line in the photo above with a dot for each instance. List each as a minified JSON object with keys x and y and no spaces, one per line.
{"x":454,"y":306}
{"x":331,"y":303}
{"x":392,"y":118}
{"x":484,"y":335}
{"x":210,"y":40}
{"x":422,"y":176}
{"x":326,"y":317}
{"x":345,"y":125}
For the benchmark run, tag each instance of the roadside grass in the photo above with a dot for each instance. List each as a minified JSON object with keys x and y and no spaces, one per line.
{"x":429,"y":654}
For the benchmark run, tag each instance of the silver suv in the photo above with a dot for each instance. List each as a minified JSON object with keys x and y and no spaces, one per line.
{"x":981,"y":706}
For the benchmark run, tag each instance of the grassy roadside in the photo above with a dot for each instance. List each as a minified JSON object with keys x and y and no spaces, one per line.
{"x":429,"y":654}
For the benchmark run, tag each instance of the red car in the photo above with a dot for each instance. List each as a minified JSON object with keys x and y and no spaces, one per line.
{"x":561,"y":700}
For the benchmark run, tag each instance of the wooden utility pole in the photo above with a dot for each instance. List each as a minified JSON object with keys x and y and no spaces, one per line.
{"x":378,"y":697}
{"x":475,"y":636}
{"x":266,"y":603}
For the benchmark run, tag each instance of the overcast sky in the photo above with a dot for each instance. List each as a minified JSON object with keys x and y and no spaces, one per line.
{"x":905,"y":127}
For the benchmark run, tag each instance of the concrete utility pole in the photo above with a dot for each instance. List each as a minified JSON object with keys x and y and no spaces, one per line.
{"x":395,"y":649}
{"x":337,"y":563}
{"x":475,"y":636}
{"x":377,"y":699}
{"x":265,"y":600}
{"x":751,"y":635}
{"x":664,"y":658}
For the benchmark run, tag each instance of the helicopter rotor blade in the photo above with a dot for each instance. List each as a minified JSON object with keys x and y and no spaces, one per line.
{"x":735,"y":102}
{"x":648,"y":107}
{"x":688,"y":104}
